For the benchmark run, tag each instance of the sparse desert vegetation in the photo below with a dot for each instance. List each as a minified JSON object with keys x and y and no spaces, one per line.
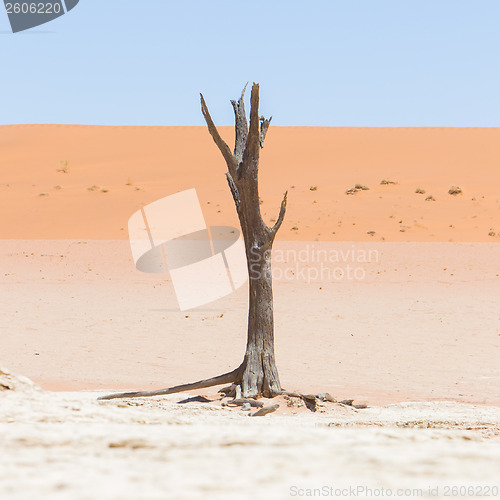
{"x":356,"y":188}
{"x":454,"y":190}
{"x":63,"y":166}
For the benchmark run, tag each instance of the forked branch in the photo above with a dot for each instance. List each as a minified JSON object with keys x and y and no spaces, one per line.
{"x":251,"y":153}
{"x":240,"y":126}
{"x":264,"y":126}
{"x":231,"y":161}
{"x":234,"y":190}
{"x":281,"y":215}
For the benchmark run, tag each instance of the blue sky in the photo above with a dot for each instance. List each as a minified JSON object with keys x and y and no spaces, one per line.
{"x":319,"y":63}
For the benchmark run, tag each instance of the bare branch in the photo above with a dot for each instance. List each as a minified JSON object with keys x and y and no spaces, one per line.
{"x":228,"y":391}
{"x":234,"y":190}
{"x":231,"y":161}
{"x":241,"y":401}
{"x":202,"y":384}
{"x":264,"y":411}
{"x":294,"y":394}
{"x":264,"y":125}
{"x":240,"y":126}
{"x":310,"y":400}
{"x":251,"y":153}
{"x":281,"y":215}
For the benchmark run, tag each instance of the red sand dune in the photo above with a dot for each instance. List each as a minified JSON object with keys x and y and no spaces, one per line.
{"x":158,"y":161}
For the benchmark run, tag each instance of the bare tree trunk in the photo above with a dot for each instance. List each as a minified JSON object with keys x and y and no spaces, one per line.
{"x":257,"y":375}
{"x":260,"y":375}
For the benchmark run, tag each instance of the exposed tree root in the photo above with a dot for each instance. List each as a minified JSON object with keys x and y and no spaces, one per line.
{"x":229,"y":391}
{"x":240,"y":402}
{"x":264,"y":411}
{"x":234,"y":392}
{"x":201,"y":384}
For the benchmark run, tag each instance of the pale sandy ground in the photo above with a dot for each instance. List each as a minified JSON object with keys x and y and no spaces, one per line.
{"x":423,"y":324}
{"x":69,"y":446}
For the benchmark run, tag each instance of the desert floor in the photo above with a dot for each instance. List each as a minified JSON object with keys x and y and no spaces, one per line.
{"x":415,"y":334}
{"x":61,"y":445}
{"x":422,"y":323}
{"x":416,"y":339}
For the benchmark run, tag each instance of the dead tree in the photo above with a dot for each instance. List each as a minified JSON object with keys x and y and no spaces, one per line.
{"x":257,"y":375}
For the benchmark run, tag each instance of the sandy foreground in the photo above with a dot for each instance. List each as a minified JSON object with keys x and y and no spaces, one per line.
{"x":416,"y":339}
{"x":70,"y":446}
